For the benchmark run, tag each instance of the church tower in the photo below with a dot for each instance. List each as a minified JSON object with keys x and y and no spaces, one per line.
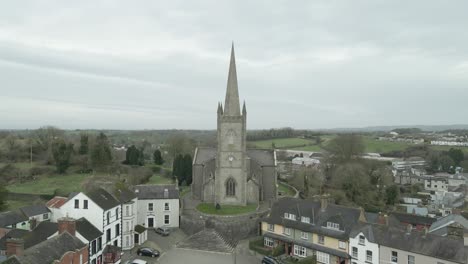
{"x":231,"y":159}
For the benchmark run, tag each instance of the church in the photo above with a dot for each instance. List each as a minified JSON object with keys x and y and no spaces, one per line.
{"x":231,"y":174}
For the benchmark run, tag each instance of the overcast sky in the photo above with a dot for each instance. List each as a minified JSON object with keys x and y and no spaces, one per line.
{"x":305,"y":64}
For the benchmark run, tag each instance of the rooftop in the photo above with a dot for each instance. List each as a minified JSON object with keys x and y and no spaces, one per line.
{"x":153,"y":191}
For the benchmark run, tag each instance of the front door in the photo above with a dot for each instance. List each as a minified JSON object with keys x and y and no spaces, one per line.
{"x":150,"y":222}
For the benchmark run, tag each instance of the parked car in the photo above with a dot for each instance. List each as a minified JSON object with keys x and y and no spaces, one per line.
{"x":148,"y":252}
{"x":163,"y":231}
{"x":136,"y":261}
{"x":270,"y":260}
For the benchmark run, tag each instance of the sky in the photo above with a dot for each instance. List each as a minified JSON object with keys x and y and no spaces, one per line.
{"x":149,"y":64}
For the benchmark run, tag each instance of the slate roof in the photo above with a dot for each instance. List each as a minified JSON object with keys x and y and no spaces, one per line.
{"x":413,"y":219}
{"x":440,"y":226}
{"x":33,"y":210}
{"x":264,"y":157}
{"x":125,"y":195}
{"x":372,"y":217}
{"x":50,"y":250}
{"x":103,"y":199}
{"x":56,"y":202}
{"x":87,"y":230}
{"x":11,"y":218}
{"x":14,"y":233}
{"x":347,"y":217}
{"x":153,"y":191}
{"x":446,"y":248}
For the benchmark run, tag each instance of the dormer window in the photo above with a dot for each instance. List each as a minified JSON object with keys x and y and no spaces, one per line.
{"x":305,"y":219}
{"x":332,"y":225}
{"x":362,"y":240}
{"x":290,"y":216}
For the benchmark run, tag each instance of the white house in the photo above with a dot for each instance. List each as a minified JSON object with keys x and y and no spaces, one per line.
{"x":129,"y":219}
{"x":101,"y":209}
{"x":363,"y":248}
{"x":158,"y":205}
{"x":436,"y":184}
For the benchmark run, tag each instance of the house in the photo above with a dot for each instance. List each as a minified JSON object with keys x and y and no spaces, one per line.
{"x":100,"y":208}
{"x":442,"y":225}
{"x":456,"y":180}
{"x":89,"y":235}
{"x":129,"y":203}
{"x":305,"y":161}
{"x":158,"y":205}
{"x":36,"y":213}
{"x":54,"y":205}
{"x":436,"y":184}
{"x":62,"y":249}
{"x":11,"y":220}
{"x":363,"y":246}
{"x":418,"y":222}
{"x":305,"y":228}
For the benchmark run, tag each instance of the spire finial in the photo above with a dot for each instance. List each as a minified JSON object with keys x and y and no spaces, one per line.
{"x":231,"y":105}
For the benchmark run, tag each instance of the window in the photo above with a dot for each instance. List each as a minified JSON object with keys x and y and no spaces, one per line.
{"x":150,"y":207}
{"x":411,"y":259}
{"x":300,"y":251}
{"x":230,"y":187}
{"x":304,"y":235}
{"x":271,"y":227}
{"x":93,"y":247}
{"x":108,"y":217}
{"x":321,"y":239}
{"x":166,"y":206}
{"x":127,"y":242}
{"x":108,"y":235}
{"x":77,"y":203}
{"x":268,"y":242}
{"x":290,"y":216}
{"x":99,"y":244}
{"x":166,"y":219}
{"x":126,"y":227}
{"x":127,"y":210}
{"x":85,"y":204}
{"x":332,"y":225}
{"x":287,"y":231}
{"x":394,"y":256}
{"x":362,"y":240}
{"x":45,"y":216}
{"x":342,"y":244}
{"x":323,"y":257}
{"x":117,"y":230}
{"x":305,"y":219}
{"x":117,"y":213}
{"x":354,"y":252}
{"x":369,"y":256}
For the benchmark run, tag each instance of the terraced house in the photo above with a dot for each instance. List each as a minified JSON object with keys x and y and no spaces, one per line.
{"x":305,"y":228}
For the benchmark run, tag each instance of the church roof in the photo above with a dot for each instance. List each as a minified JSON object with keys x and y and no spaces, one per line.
{"x":231,"y":105}
{"x":264,"y":157}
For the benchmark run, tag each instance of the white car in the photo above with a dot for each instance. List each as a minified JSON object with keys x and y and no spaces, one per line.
{"x":136,"y":261}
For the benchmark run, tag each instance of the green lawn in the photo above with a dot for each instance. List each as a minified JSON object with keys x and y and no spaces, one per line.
{"x":447,"y":148}
{"x":380,"y":146}
{"x":48,"y":184}
{"x":282,"y":143}
{"x":209,"y":208}
{"x":15,"y":204}
{"x":314,"y":148}
{"x":285,"y":190}
{"x":159,"y":179}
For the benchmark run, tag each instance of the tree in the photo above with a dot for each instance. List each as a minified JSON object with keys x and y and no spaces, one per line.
{"x":83,"y":150}
{"x":446,"y":162}
{"x":187,"y":171}
{"x":456,"y":155}
{"x":177,"y":168}
{"x":353,"y":180}
{"x":345,"y":147}
{"x":157,"y":157}
{"x":101,"y":152}
{"x":134,"y":156}
{"x":61,"y":151}
{"x":392,"y":194}
{"x":3,"y":198}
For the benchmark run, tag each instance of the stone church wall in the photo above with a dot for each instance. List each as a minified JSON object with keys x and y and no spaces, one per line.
{"x":197,"y":182}
{"x":252,"y":192}
{"x":269,"y":183}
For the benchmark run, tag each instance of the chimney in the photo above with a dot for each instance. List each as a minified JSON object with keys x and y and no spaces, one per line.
{"x":14,"y":247}
{"x":166,"y":193}
{"x":67,"y":224}
{"x":323,"y":202}
{"x":383,"y":219}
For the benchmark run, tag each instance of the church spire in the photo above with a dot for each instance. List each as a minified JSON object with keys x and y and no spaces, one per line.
{"x":231,"y":104}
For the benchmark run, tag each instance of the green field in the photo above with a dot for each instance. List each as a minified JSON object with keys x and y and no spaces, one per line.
{"x":159,"y":179}
{"x":209,"y":208}
{"x":282,"y":143}
{"x":15,"y":204}
{"x":285,"y":190}
{"x":379,"y":146}
{"x":48,"y":184}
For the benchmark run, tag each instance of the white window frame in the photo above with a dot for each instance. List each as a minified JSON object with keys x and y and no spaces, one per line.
{"x":304,"y":235}
{"x":150,"y":207}
{"x":271,"y":227}
{"x":305,"y":219}
{"x":323,"y":257}
{"x":342,"y":244}
{"x":168,"y":219}
{"x":332,"y":225}
{"x":300,"y":251}
{"x":45,"y":216}
{"x":353,"y":251}
{"x":394,"y":259}
{"x":362,"y":240}
{"x":322,"y":241}
{"x":166,"y":207}
{"x":287,"y":231}
{"x":268,"y":242}
{"x":290,"y":216}
{"x":414,"y":259}
{"x":367,"y":256}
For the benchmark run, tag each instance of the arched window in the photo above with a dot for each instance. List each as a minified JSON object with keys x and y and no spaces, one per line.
{"x":230,"y":136}
{"x":230,"y":187}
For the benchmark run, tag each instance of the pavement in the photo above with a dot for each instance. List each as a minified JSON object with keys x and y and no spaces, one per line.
{"x":178,"y":248}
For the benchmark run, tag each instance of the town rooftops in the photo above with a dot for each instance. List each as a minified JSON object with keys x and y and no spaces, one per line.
{"x":413,"y":219}
{"x":56,"y":202}
{"x":12,"y":217}
{"x":103,"y":199}
{"x":446,"y":248}
{"x":48,"y":251}
{"x":42,"y":232}
{"x":153,"y":191}
{"x":87,"y":230}
{"x":33,"y":210}
{"x":345,"y":217}
{"x":124,"y":195}
{"x":440,"y":226}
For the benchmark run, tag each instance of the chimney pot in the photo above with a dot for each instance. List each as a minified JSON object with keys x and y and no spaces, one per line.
{"x":14,"y":247}
{"x":67,"y":224}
